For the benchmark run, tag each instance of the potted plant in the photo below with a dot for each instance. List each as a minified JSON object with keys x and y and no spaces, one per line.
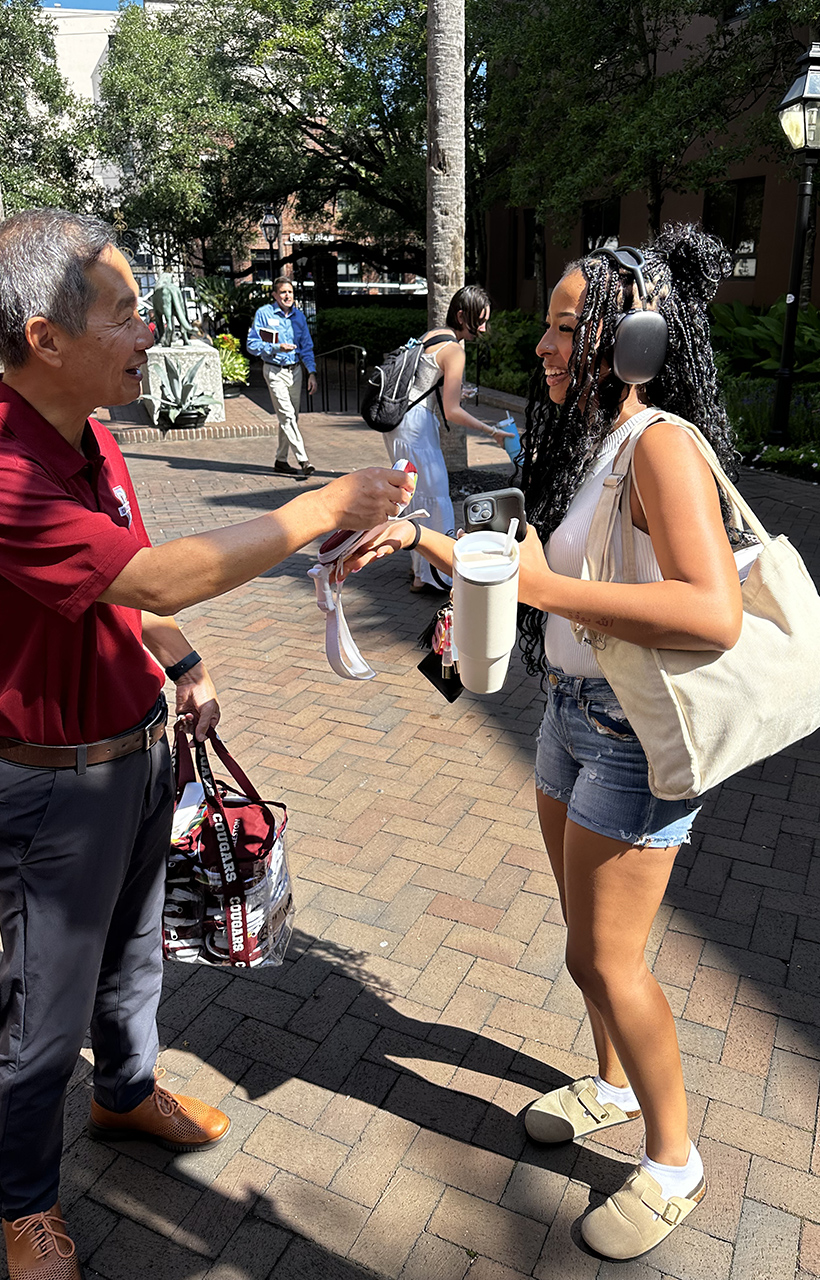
{"x":179,"y":404}
{"x":234,"y":366}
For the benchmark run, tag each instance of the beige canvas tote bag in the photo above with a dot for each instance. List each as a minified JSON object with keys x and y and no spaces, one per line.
{"x":701,"y":716}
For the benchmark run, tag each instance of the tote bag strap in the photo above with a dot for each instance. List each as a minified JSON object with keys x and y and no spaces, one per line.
{"x":616,"y":494}
{"x":238,"y":774}
{"x":742,"y":513}
{"x":598,"y":566}
{"x":182,"y":760}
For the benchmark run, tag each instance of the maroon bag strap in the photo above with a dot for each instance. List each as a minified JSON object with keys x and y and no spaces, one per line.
{"x":237,"y":773}
{"x":236,"y":916}
{"x":182,"y":760}
{"x":234,"y":769}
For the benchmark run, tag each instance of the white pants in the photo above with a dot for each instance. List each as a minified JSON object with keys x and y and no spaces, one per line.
{"x":285,"y":387}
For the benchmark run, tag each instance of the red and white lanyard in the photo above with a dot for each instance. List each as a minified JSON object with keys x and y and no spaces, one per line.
{"x":341,"y":649}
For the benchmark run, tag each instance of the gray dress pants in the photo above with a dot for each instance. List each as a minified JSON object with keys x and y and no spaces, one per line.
{"x":82,"y":872}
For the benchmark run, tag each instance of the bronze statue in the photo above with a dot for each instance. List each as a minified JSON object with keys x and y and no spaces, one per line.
{"x":169,"y":305}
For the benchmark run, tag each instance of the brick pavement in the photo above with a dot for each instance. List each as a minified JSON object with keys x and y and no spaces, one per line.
{"x":376,"y":1080}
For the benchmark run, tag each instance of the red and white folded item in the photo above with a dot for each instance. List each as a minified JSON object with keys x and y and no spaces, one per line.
{"x":341,"y":649}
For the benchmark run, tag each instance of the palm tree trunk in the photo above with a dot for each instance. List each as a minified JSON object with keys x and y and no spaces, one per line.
{"x":445,"y":176}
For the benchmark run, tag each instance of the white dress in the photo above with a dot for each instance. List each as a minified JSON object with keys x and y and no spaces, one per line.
{"x":417,"y":439}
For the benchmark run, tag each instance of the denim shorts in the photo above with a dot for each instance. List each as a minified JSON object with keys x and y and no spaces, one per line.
{"x":589,"y":757}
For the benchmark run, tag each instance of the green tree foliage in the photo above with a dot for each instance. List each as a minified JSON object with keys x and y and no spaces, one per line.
{"x":43,"y":136}
{"x":218,"y":108}
{"x":606,"y":98}
{"x":349,"y":82}
{"x":195,"y":166}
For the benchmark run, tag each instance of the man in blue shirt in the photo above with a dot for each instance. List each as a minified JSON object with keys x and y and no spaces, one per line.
{"x":282,"y":361}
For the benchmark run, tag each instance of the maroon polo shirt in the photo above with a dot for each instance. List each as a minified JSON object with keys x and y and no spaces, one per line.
{"x":71,"y":669}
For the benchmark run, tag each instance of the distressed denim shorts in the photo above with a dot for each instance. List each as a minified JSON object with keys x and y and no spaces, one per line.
{"x":589,"y":758}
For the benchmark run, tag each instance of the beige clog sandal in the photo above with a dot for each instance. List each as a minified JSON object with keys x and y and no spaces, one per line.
{"x":571,"y":1112}
{"x":637,"y":1217}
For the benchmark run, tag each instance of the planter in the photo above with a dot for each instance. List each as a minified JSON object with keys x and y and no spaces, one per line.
{"x":188,"y":420}
{"x":231,"y":390}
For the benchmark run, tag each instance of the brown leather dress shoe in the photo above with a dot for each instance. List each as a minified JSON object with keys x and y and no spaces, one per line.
{"x":39,"y":1249}
{"x":172,"y":1121}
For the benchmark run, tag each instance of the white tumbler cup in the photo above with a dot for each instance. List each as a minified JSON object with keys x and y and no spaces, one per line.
{"x":485,"y":602}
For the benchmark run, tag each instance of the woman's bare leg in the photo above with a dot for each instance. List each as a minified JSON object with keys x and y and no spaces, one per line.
{"x":552,"y":815}
{"x":612,"y":894}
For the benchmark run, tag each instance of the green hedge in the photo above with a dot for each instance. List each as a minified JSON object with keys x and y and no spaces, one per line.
{"x":749,"y":402}
{"x":750,"y":341}
{"x":378,"y":330}
{"x":506,"y":352}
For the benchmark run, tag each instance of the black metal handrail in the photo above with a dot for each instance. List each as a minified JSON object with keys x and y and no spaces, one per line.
{"x":343,"y":363}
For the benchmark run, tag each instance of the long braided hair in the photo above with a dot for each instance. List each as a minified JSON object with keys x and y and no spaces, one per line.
{"x":684,"y":267}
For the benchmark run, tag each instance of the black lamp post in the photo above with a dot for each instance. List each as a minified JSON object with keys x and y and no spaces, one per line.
{"x":799,"y":115}
{"x":271,"y":224}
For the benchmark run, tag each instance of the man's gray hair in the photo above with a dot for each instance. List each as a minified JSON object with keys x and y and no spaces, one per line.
{"x":44,"y":255}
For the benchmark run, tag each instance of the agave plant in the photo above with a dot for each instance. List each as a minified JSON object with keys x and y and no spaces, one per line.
{"x":178,"y":394}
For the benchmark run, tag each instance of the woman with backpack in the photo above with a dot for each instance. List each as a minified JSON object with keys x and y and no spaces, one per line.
{"x":417,"y":435}
{"x":612,"y":843}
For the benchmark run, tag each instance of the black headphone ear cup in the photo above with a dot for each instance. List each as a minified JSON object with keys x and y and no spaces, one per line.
{"x":639,"y":350}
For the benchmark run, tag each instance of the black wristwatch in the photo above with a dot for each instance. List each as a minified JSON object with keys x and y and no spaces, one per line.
{"x":184,"y":664}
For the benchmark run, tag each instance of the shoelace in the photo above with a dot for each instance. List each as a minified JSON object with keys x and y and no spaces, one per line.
{"x":167,"y":1104}
{"x":45,"y":1234}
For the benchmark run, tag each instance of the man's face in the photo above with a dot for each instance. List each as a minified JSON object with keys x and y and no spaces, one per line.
{"x":106,"y":363}
{"x":284,"y":296}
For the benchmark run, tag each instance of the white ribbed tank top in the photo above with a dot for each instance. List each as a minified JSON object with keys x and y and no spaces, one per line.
{"x":566,"y":546}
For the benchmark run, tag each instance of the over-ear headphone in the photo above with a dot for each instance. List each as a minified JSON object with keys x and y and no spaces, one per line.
{"x":641,"y":337}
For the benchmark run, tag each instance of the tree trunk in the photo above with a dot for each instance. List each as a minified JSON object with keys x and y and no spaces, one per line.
{"x":445,"y":177}
{"x":654,"y":201}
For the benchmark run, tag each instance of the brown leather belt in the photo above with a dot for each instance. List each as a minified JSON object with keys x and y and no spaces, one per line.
{"x":41,"y":757}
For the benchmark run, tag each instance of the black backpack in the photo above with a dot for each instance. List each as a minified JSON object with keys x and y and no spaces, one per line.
{"x":387,"y":391}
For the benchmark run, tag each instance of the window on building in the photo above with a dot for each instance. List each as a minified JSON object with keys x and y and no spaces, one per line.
{"x":142,"y":266}
{"x":260,"y":266}
{"x":734,"y":211}
{"x":601,"y":224}
{"x":224,"y":265}
{"x":348,"y":270}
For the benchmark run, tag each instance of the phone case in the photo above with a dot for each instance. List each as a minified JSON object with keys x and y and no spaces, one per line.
{"x":507,"y":504}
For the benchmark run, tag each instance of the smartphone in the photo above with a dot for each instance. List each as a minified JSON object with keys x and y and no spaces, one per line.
{"x":495,"y":510}
{"x":268,"y":335}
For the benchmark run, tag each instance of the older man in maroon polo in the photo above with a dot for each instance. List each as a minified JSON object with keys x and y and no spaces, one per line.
{"x":85,"y":782}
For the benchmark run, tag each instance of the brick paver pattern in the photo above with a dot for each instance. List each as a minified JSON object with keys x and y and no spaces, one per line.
{"x":376,"y":1081}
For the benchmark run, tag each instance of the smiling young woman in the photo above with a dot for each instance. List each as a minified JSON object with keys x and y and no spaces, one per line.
{"x":612,"y":843}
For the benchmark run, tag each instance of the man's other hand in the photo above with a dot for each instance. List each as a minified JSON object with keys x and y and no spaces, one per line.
{"x":197,"y":704}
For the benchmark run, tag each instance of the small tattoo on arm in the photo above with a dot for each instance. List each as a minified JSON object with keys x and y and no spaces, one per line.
{"x":586,"y":621}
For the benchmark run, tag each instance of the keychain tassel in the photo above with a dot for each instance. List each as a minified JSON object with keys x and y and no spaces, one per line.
{"x":425,"y":640}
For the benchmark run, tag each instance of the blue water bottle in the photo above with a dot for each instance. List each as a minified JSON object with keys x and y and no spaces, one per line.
{"x":512,"y":443}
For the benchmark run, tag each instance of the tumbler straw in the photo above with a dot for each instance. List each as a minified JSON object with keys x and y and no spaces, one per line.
{"x":511,"y":532}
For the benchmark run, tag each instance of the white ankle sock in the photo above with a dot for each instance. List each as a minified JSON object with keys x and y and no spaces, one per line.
{"x":676,"y":1179}
{"x":623,"y":1098}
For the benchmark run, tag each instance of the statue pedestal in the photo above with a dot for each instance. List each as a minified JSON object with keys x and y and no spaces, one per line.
{"x":208,"y":379}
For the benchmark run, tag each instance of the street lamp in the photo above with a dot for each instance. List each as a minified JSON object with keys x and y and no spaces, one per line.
{"x":271,"y":224}
{"x":799,"y":116}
